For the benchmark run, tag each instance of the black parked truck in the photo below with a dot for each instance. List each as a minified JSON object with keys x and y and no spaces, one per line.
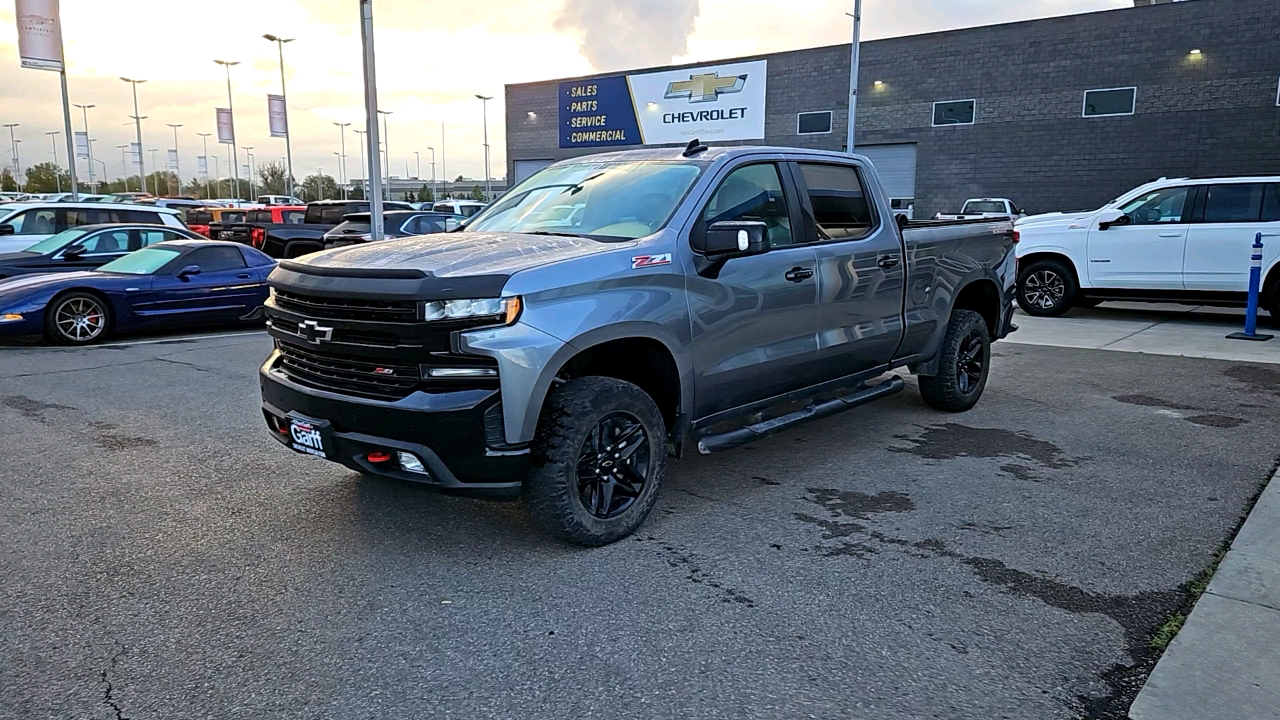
{"x":296,"y":234}
{"x":616,"y":310}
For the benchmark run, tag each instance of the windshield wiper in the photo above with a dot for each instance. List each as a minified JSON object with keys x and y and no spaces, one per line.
{"x":556,"y":234}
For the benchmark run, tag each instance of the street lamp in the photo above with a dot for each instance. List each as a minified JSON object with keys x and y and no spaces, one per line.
{"x":418,"y":161}
{"x":488,"y":184}
{"x":177,"y":164}
{"x":386,"y":149}
{"x":84,"y":110}
{"x":342,"y":157}
{"x":235,"y":157}
{"x":17,"y":166}
{"x":57,"y":169}
{"x":854,"y":62}
{"x":124,"y":164}
{"x":248,"y":156}
{"x":364,"y":181}
{"x":155,"y":172}
{"x":204,"y":137}
{"x":434,"y":197}
{"x":137,"y":123}
{"x":288,"y":139}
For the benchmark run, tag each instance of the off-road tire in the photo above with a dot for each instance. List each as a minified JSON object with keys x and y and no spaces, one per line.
{"x":551,"y":490}
{"x":947,"y":391}
{"x":1046,"y":276}
{"x":55,"y":334}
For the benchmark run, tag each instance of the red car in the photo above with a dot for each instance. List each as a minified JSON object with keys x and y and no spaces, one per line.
{"x":250,"y":230}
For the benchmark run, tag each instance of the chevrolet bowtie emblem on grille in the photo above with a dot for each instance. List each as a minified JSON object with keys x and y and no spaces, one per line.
{"x":705,"y":88}
{"x":314,"y":332}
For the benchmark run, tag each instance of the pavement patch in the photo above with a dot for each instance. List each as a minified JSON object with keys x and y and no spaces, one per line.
{"x":32,"y":409}
{"x":952,"y":441}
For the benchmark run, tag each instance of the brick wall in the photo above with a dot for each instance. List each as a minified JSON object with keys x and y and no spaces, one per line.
{"x":1212,"y":114}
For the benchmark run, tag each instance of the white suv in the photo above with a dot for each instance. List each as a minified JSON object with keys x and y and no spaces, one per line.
{"x":25,"y":224}
{"x":1181,"y":240}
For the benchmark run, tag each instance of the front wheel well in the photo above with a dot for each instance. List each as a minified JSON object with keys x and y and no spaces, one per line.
{"x":643,"y":362}
{"x":1026,"y":261}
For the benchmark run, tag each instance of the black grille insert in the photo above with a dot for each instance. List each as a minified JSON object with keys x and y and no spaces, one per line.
{"x":346,"y":375}
{"x":348,"y":308}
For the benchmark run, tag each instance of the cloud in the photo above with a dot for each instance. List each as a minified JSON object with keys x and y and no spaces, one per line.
{"x":622,"y":34}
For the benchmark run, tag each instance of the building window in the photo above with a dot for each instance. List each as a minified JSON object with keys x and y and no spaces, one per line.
{"x":813,"y":123}
{"x":1109,"y":102}
{"x":954,"y":112}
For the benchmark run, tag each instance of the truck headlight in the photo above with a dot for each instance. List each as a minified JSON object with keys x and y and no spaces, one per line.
{"x":505,"y":310}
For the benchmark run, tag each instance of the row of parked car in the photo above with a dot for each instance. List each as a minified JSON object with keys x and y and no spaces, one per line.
{"x":78,"y":272}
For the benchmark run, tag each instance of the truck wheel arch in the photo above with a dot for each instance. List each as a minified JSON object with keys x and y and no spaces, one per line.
{"x":1061,"y":257}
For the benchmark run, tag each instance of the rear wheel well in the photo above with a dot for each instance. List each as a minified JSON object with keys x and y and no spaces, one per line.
{"x":982,"y":297}
{"x":643,"y":362}
{"x":1058,"y":257}
{"x":298,"y":248}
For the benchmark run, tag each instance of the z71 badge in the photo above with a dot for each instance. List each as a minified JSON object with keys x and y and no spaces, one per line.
{"x":644,"y":261}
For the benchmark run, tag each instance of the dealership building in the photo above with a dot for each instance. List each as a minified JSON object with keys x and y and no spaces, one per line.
{"x":1058,"y":114}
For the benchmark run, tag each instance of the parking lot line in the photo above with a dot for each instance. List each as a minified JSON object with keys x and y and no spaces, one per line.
{"x":182,"y":338}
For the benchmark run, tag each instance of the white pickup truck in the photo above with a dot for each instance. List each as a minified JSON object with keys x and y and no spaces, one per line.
{"x":1173,"y":240}
{"x":985,"y":208}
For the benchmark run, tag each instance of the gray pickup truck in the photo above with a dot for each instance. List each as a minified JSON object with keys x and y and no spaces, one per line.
{"x":616,"y":310}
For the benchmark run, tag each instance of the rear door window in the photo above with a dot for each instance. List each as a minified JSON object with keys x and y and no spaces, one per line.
{"x":840,"y":206}
{"x":293,"y":217}
{"x":1235,"y":203}
{"x":107,"y":243}
{"x":1271,"y":204}
{"x":35,"y":222}
{"x":151,"y":237}
{"x":137,"y":216}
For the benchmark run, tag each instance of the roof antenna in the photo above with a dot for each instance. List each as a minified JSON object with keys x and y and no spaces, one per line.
{"x":694,"y":147}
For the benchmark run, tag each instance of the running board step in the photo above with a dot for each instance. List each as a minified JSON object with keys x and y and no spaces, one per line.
{"x":741,"y":436}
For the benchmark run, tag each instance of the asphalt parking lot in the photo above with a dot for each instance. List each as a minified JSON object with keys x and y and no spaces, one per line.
{"x":165,"y":558}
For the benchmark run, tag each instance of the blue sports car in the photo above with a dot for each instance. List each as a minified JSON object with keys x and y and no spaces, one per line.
{"x":178,"y":284}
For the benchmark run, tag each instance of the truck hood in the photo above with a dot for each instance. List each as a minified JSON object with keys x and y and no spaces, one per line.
{"x":1057,"y":218}
{"x":461,"y":253}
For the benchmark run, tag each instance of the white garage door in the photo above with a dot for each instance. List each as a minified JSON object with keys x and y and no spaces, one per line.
{"x":896,"y":166}
{"x":525,"y":168}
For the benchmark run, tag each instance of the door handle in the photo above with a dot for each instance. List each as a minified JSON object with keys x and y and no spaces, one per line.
{"x":244,"y":276}
{"x":888,"y":261}
{"x":1170,"y":235}
{"x":798,"y":274}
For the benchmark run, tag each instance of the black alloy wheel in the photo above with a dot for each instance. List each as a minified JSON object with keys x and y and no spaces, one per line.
{"x":1046,"y":289}
{"x":963,"y":366}
{"x":970,"y":360}
{"x":612,"y":465}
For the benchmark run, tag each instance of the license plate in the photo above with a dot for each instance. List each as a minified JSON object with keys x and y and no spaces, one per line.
{"x":308,"y":436}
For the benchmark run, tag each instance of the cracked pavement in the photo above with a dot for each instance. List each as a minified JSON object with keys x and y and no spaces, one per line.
{"x":165,"y":558}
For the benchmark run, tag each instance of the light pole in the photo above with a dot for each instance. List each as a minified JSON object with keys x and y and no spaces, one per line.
{"x":248,"y":156}
{"x":103,"y":163}
{"x":155,"y":172}
{"x":853,"y":74}
{"x":342,"y":157}
{"x":137,"y":123}
{"x":17,"y":166}
{"x":217,"y":173}
{"x":17,"y":160}
{"x":364,"y":180}
{"x":57,"y":169}
{"x":177,"y":163}
{"x":84,"y":110}
{"x":386,"y":149}
{"x":433,"y":173}
{"x":235,"y":157}
{"x":204,"y":137}
{"x":488,"y":184}
{"x":124,"y":164}
{"x":288,"y":139}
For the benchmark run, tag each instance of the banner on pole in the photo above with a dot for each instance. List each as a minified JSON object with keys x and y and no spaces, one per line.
{"x":276,"y":118}
{"x":202,"y":164}
{"x":39,"y":34}
{"x":135,"y":154}
{"x":82,"y":145}
{"x":244,"y":171}
{"x":226,"y":131}
{"x":173,"y":160}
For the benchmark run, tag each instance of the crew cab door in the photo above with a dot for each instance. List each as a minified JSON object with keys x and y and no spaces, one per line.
{"x":860,"y":269}
{"x":1220,"y":239}
{"x":754,"y":324}
{"x":1143,"y":251}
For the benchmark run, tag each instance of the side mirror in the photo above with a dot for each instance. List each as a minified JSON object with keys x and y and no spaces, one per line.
{"x":1108,"y":218}
{"x":7,"y":229}
{"x":188,"y":271}
{"x":730,"y":239}
{"x":74,"y":252}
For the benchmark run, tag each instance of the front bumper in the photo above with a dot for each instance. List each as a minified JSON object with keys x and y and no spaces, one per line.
{"x":451,"y":432}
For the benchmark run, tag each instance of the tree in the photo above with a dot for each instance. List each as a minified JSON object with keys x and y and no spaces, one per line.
{"x":356,"y":193}
{"x":318,"y":187}
{"x":477,"y":193}
{"x":425,"y":194}
{"x":273,"y":178}
{"x":410,"y":198}
{"x":459,"y":179}
{"x":46,"y":178}
{"x":7,"y":183}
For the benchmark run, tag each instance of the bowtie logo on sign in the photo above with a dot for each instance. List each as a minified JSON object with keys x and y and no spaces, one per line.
{"x":705,"y":88}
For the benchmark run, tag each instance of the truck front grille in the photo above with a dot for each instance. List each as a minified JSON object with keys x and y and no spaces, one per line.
{"x":319,"y":306}
{"x":347,"y":375}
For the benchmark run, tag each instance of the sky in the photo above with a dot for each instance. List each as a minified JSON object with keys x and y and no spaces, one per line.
{"x":433,"y":57}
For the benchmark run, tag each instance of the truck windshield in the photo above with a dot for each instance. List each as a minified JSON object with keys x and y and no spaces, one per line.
{"x":983,"y":206}
{"x":607,"y":201}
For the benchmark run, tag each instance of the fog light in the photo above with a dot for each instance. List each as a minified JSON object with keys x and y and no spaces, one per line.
{"x":410,"y":463}
{"x":11,"y":317}
{"x":444,"y":373}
